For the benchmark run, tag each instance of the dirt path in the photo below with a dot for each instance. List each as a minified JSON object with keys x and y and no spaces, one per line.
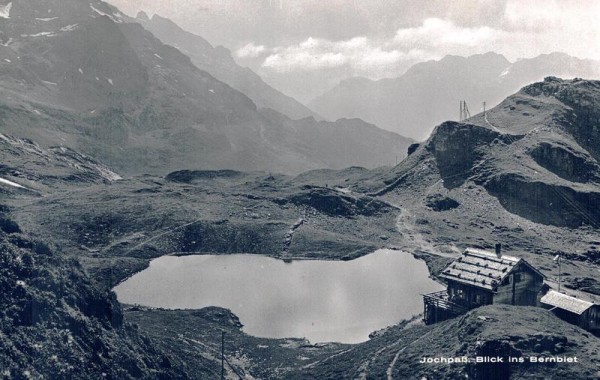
{"x":310,"y":365}
{"x":390,"y":368}
{"x":490,"y":124}
{"x":365,"y":366}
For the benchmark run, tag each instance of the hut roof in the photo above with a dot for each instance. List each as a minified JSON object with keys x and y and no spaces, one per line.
{"x":565,"y":302}
{"x":482,"y":269}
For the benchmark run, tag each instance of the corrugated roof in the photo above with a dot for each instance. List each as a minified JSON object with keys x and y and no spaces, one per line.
{"x":480,"y":268}
{"x":565,"y":302}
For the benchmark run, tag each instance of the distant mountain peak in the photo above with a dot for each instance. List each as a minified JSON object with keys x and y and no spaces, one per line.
{"x":218,"y":61}
{"x":142,"y":16}
{"x":429,"y":92}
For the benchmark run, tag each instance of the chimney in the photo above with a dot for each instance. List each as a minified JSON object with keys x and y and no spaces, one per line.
{"x":498,"y":250}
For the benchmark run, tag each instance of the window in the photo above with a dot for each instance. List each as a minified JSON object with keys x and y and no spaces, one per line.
{"x":478,"y":299}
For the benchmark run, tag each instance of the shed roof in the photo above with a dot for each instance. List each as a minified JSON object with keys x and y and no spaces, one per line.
{"x":565,"y":302}
{"x":482,"y":269}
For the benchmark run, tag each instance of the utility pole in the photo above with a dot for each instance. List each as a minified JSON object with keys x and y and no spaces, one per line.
{"x":484,"y":109}
{"x":558,"y":258}
{"x":222,"y":355}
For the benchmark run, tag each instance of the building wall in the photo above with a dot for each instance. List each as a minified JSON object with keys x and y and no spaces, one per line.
{"x":522,"y":287}
{"x":468,"y":296}
{"x":594,"y":318}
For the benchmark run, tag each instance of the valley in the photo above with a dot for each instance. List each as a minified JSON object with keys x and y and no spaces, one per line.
{"x":139,"y":159}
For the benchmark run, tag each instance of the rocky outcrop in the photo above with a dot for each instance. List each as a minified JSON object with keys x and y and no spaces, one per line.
{"x":545,"y":203}
{"x":190,"y":176}
{"x":333,"y":203}
{"x":565,"y":162}
{"x":456,"y":147}
{"x":54,"y":323}
{"x":438,"y":202}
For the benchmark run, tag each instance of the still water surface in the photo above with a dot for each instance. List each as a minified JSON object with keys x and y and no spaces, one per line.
{"x":341,"y":301}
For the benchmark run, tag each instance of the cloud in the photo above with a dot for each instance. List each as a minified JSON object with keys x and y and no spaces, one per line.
{"x":524,"y":29}
{"x":438,"y":33}
{"x":359,"y":55}
{"x":378,"y":58}
{"x":250,"y":50}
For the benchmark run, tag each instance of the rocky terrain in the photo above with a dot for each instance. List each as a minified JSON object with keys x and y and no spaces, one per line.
{"x":80,"y":74}
{"x":429,"y":93}
{"x":55,"y":323}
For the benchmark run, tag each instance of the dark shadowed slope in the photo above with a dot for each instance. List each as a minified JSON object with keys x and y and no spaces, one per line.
{"x":74,"y":73}
{"x":429,"y":93}
{"x":220,"y":64}
{"x":55,"y":323}
{"x":491,"y":331}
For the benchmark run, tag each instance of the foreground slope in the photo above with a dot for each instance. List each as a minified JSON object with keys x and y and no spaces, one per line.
{"x":75,"y":73}
{"x":491,"y":331}
{"x":55,"y":323}
{"x":429,"y":92}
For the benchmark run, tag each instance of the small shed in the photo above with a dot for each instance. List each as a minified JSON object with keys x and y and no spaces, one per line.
{"x":478,"y":278}
{"x":579,"y":312}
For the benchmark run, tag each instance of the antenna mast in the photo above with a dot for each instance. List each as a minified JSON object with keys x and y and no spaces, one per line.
{"x":464,"y":111}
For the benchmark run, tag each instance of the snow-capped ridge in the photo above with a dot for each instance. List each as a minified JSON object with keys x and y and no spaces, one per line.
{"x":116,"y":18}
{"x":5,"y":10}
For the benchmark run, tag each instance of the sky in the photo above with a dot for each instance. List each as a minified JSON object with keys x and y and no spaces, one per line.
{"x":304,"y":47}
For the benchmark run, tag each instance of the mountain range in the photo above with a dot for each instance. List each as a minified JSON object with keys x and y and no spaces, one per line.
{"x":429,"y":93}
{"x":219,"y":63}
{"x":80,"y":74}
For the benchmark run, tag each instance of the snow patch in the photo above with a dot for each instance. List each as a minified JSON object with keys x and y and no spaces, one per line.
{"x":50,"y":83}
{"x":11,"y":183}
{"x":40,"y":34}
{"x":5,"y":10}
{"x":112,"y":17}
{"x":10,"y":40}
{"x":7,"y":60}
{"x":158,"y":56}
{"x":505,"y":72}
{"x":37,"y":112}
{"x":97,"y":78}
{"x":80,"y":71}
{"x":110,"y":81}
{"x":46,"y":19}
{"x":68,"y":28}
{"x":211,"y":90}
{"x":343,"y":190}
